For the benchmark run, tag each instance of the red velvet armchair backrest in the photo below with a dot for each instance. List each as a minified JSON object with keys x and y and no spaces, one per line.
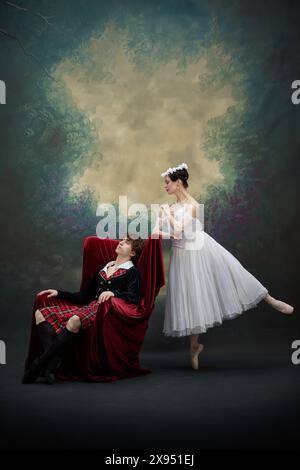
{"x":99,"y":251}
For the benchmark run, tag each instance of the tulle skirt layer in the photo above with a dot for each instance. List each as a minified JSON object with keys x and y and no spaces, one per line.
{"x":205,"y":287}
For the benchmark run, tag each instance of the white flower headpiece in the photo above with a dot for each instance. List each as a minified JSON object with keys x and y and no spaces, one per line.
{"x":175,"y":168}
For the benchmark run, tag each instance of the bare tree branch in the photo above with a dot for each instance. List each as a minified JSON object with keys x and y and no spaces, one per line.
{"x":12,"y":36}
{"x":28,"y":10}
{"x":26,"y":52}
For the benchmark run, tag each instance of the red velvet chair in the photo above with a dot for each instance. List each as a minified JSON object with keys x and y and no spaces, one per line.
{"x":109,"y":350}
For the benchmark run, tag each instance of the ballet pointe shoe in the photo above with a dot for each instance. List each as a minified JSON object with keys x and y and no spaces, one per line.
{"x":279,"y":305}
{"x":194,"y":352}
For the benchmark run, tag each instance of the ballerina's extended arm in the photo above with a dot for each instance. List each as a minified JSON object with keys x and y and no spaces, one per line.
{"x":176,"y":227}
{"x":157,"y":230}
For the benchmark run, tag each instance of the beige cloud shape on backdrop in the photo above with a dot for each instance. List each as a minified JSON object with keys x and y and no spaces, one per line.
{"x":147,"y":121}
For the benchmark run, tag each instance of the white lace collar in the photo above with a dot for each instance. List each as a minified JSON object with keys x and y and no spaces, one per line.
{"x":126,"y":265}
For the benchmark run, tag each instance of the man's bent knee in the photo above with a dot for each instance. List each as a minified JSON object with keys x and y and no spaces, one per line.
{"x":74,"y":324}
{"x":38,"y":316}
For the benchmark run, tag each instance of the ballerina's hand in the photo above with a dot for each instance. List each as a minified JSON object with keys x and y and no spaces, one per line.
{"x":176,"y":236}
{"x":50,"y":292}
{"x":164,"y":209}
{"x":155,"y":233}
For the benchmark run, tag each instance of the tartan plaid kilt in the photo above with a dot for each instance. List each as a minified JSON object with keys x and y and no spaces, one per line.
{"x":58,"y":315}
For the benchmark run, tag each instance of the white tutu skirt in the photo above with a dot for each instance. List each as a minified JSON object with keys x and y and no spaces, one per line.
{"x":205,"y":287}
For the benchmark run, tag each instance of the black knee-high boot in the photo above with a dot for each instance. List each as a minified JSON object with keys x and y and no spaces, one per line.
{"x":51,"y":369}
{"x":46,"y":334}
{"x":55,"y":349}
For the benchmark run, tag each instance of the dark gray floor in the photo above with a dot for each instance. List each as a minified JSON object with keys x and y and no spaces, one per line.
{"x":245,"y":396}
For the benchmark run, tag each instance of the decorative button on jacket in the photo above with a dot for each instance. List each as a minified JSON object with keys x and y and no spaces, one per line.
{"x":124,"y":283}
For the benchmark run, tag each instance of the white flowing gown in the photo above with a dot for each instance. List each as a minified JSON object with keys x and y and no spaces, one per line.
{"x":206,"y":283}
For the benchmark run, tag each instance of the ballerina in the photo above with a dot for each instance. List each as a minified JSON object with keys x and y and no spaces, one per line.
{"x":206,"y":283}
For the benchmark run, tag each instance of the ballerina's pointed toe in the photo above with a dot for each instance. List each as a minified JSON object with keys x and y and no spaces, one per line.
{"x":195,"y":356}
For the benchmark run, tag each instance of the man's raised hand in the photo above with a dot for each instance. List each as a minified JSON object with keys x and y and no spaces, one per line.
{"x":50,"y":292}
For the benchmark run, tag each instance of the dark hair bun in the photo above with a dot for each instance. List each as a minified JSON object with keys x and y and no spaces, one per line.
{"x":182,"y":175}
